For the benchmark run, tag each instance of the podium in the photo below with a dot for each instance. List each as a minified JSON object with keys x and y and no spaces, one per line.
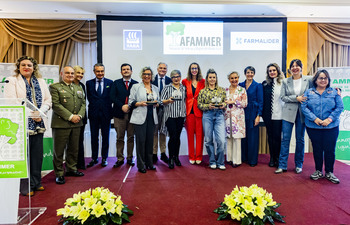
{"x":14,"y":162}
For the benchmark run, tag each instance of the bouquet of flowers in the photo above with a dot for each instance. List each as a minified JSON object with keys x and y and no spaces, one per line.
{"x":94,"y":207}
{"x":250,"y":205}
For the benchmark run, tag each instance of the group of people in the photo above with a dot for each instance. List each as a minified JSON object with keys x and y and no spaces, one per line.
{"x":159,"y":105}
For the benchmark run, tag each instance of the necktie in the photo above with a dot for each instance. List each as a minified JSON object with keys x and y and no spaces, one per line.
{"x":99,"y":88}
{"x":127,"y":87}
{"x":161,"y":85}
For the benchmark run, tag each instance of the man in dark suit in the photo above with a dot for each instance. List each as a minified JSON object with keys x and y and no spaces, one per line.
{"x":160,"y":81}
{"x":68,"y":105}
{"x":120,"y":92}
{"x":99,"y":113}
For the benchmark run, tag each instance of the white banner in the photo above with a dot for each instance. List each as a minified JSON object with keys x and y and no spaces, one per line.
{"x":256,"y":40}
{"x":192,"y":38}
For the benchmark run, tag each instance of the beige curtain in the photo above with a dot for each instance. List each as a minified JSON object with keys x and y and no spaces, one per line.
{"x":329,"y":46}
{"x":263,"y":144}
{"x":48,"y":41}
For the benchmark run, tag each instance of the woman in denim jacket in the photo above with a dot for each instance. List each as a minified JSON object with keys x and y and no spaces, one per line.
{"x":322,"y":110}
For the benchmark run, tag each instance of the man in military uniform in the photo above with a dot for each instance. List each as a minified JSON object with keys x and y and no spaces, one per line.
{"x":68,"y":105}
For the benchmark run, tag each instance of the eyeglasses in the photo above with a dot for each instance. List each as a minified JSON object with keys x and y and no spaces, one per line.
{"x":194,"y":68}
{"x":174,"y":77}
{"x":146,"y":74}
{"x":322,"y":78}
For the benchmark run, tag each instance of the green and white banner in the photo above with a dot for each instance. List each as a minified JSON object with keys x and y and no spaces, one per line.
{"x":13,"y":142}
{"x":340,"y":78}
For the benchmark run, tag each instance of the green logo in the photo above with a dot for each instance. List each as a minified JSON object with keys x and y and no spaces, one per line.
{"x":8,"y":132}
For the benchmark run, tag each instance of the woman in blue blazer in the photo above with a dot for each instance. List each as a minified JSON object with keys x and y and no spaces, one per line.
{"x":253,"y":111}
{"x":143,"y":100}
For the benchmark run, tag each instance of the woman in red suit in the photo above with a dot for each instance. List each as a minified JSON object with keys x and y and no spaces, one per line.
{"x":194,"y":83}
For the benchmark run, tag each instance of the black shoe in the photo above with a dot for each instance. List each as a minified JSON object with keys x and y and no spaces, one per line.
{"x":230,"y":163}
{"x":92,"y":163}
{"x":155,"y":158}
{"x":142,"y":170}
{"x":118,"y":163}
{"x":74,"y":174}
{"x":235,"y":165}
{"x":60,"y":180}
{"x":104,"y":163}
{"x":253,"y":165}
{"x":177,"y":161}
{"x":271,"y":163}
{"x":151,"y":167}
{"x":164,"y":158}
{"x":130,"y":162}
{"x":171,"y":164}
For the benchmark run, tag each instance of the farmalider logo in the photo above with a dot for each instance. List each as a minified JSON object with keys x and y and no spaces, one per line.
{"x":132,"y":39}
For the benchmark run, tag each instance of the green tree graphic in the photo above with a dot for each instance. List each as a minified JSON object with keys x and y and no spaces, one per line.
{"x":8,"y":131}
{"x":175,"y":29}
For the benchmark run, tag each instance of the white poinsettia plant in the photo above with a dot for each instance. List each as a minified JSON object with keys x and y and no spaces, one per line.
{"x":249,"y":205}
{"x":98,"y":206}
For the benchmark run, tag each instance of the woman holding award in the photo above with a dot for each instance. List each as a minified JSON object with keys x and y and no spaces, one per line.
{"x":143,"y":100}
{"x":173,"y":98}
{"x":253,"y":111}
{"x":211,"y":100}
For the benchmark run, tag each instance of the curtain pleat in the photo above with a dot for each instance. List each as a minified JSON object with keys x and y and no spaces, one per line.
{"x":48,"y":41}
{"x":328,"y":46}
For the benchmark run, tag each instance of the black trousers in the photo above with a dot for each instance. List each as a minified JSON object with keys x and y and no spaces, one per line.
{"x":274,"y":136}
{"x":96,"y":124}
{"x":174,"y":126}
{"x":144,"y":141}
{"x":323,"y":144}
{"x":81,"y":156}
{"x":35,"y":164}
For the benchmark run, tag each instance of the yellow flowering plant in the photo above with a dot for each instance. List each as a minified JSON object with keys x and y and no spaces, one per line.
{"x":94,"y":207}
{"x":249,"y":205}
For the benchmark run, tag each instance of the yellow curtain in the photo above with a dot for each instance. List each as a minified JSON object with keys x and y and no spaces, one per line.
{"x":48,"y":41}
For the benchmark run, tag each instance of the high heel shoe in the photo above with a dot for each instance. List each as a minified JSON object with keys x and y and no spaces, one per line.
{"x":177,"y":161}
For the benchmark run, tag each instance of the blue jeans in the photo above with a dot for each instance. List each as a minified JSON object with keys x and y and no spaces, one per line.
{"x":287,"y":128}
{"x":214,"y":121}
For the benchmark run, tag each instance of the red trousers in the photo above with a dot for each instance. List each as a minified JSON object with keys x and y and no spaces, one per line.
{"x":194,"y":126}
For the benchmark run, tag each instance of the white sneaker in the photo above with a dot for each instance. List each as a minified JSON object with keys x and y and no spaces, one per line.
{"x":192,"y":162}
{"x":198,"y":162}
{"x":213,"y":166}
{"x":298,"y":170}
{"x":222,"y":167}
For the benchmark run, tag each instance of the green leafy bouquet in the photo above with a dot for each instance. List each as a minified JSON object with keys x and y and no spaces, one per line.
{"x":94,"y":207}
{"x":250,"y":205}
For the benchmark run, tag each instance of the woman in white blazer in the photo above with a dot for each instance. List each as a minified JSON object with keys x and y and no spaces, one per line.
{"x":292,"y":94}
{"x":28,"y":84}
{"x":143,"y":100}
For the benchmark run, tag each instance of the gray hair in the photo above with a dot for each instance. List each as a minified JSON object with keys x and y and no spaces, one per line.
{"x":162,"y":63}
{"x":147,"y":68}
{"x":174,"y":72}
{"x":233,"y":72}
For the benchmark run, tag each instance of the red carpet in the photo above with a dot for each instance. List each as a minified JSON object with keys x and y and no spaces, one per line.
{"x":189,"y":194}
